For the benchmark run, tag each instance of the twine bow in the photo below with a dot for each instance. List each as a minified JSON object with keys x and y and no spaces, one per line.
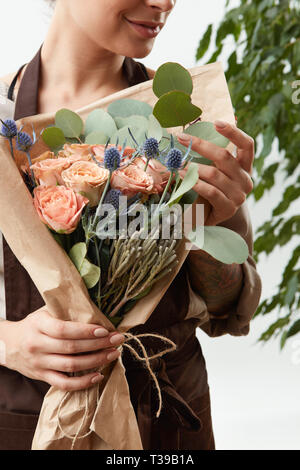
{"x":145,"y":358}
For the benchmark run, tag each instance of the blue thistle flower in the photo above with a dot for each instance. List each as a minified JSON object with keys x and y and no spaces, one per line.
{"x":174,"y":159}
{"x":112,"y":158}
{"x":151,"y":148}
{"x":23,"y":141}
{"x":9,"y":128}
{"x":113,"y":198}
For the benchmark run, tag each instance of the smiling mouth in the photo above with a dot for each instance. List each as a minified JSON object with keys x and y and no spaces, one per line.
{"x":145,"y":30}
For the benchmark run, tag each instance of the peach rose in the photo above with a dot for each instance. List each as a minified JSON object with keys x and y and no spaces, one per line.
{"x":59,"y":207}
{"x":157,"y":170}
{"x":44,"y":156}
{"x":86,"y":178}
{"x":48,"y":172}
{"x":132,"y":180}
{"x":83,"y":150}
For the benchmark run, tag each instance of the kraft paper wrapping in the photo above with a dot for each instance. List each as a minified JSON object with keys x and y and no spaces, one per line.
{"x":110,"y":416}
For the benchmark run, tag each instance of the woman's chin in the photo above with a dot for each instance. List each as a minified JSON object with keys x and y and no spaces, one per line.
{"x":138,"y":50}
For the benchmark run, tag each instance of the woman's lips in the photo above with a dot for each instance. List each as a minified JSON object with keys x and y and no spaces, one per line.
{"x":143,"y":30}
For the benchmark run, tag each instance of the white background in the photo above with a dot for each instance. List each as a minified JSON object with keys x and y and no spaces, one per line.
{"x":255,"y":389}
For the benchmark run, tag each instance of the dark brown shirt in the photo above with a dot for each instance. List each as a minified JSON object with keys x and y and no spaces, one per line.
{"x":185,"y":421}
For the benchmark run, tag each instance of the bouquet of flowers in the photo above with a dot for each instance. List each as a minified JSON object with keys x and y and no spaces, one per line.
{"x":105,"y":217}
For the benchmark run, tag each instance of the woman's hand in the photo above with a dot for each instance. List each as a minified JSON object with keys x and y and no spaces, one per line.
{"x":227,"y":182}
{"x":42,"y":348}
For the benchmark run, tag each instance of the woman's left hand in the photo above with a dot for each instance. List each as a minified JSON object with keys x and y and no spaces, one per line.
{"x":226,"y":183}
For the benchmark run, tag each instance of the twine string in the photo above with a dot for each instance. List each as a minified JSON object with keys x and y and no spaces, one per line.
{"x":145,"y":358}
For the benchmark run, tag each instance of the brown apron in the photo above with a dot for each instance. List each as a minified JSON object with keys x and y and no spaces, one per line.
{"x":185,"y":421}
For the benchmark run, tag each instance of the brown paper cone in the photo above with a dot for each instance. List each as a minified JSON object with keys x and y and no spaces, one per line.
{"x":109,"y":412}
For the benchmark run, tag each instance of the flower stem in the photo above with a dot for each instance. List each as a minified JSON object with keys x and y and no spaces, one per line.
{"x":11,"y":148}
{"x":99,"y":207}
{"x":31,"y":171}
{"x":99,"y":282}
{"x":147,"y":163}
{"x":166,"y":189}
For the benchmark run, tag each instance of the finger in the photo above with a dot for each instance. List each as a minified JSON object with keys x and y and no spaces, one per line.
{"x":238,"y":177}
{"x":70,"y":384}
{"x":63,"y":363}
{"x":221,"y":157}
{"x":245,"y":144}
{"x":69,"y":330}
{"x":65,"y":346}
{"x":220,"y":203}
{"x":215,"y":177}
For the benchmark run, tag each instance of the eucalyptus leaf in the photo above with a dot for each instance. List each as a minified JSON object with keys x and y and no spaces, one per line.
{"x":127,"y":107}
{"x":90,"y":273}
{"x":77,"y":254}
{"x":69,"y":122}
{"x":207,"y":131}
{"x":123,"y":134}
{"x":190,"y":179}
{"x":221,"y":243}
{"x":175,"y":109}
{"x":172,"y":76}
{"x":132,"y":121}
{"x":53,"y":137}
{"x":165,"y":140}
{"x":101,"y":121}
{"x":96,"y":138}
{"x":154,"y":128}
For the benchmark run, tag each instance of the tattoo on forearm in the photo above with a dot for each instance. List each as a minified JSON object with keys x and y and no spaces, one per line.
{"x":219,"y":284}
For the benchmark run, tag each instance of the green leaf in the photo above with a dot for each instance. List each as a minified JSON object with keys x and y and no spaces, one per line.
{"x":189,"y":181}
{"x":96,"y":138}
{"x":127,"y":107}
{"x":172,"y":76}
{"x":294,"y":329}
{"x":123,"y":134}
{"x":132,"y":121}
{"x":154,"y":128}
{"x":69,"y":122}
{"x":100,"y":120}
{"x":115,"y":320}
{"x":90,"y":273}
{"x":175,"y":109}
{"x":189,"y":197}
{"x":292,"y":288}
{"x":207,"y":131}
{"x":283,"y":339}
{"x":77,"y":254}
{"x":223,"y":244}
{"x":53,"y":137}
{"x":204,"y":43}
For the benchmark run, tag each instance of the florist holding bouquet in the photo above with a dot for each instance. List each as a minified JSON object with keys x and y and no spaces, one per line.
{"x":88,"y":54}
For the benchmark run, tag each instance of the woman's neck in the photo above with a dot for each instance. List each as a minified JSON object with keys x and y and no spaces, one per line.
{"x":75,"y":71}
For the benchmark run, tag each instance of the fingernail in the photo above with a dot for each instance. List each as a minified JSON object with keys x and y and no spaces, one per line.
{"x":117,"y":339}
{"x":113,"y":355}
{"x":220,"y":123}
{"x":100,"y":332}
{"x":183,"y":136}
{"x":97,"y":378}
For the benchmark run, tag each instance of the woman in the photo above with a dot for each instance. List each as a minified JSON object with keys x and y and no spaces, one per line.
{"x":87,"y":54}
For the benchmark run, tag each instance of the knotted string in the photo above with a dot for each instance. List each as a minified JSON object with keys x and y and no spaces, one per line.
{"x":145,"y":358}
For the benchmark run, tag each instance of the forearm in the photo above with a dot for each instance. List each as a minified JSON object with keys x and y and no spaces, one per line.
{"x":218,"y":284}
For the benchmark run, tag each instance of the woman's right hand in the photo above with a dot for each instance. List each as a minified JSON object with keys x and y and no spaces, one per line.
{"x":42,"y":347}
